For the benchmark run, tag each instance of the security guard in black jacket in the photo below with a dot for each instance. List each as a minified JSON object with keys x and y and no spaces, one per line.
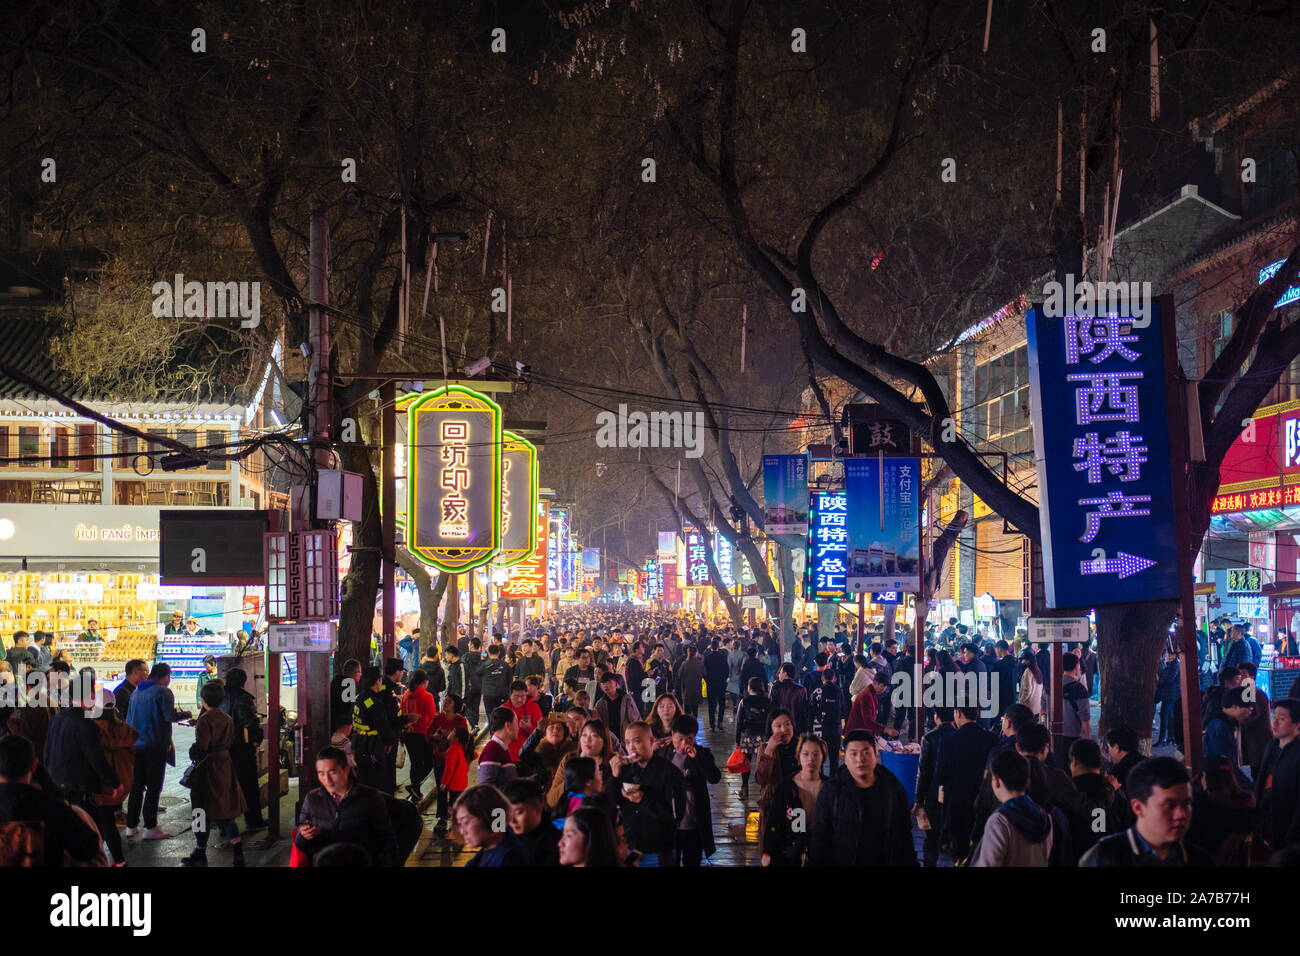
{"x":374,"y":739}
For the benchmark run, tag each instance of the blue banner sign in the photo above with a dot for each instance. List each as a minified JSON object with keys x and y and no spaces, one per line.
{"x":785,"y":494}
{"x":827,"y":566}
{"x":884,"y":523}
{"x":1101,"y":440}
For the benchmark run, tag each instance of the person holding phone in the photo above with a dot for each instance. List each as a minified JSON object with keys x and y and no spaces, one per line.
{"x":341,"y":810}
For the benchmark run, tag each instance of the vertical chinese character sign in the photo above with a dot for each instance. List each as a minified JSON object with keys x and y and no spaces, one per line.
{"x":453,"y":479}
{"x":724,"y":556}
{"x":884,"y":523}
{"x":1102,"y":443}
{"x":528,"y":578}
{"x":785,"y":494}
{"x":556,"y":558}
{"x":827,"y":566}
{"x":590,"y":573}
{"x":518,"y":500}
{"x":697,"y":563}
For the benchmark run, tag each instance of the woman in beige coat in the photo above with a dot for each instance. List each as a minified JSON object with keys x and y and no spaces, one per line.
{"x":214,"y":790}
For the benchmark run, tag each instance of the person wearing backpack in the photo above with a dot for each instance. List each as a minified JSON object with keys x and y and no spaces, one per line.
{"x":751,"y":727}
{"x":496,"y":679}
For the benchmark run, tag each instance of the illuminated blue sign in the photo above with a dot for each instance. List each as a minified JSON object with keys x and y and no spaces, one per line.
{"x":654,"y":576}
{"x":1290,"y":295}
{"x":886,"y":597}
{"x":724,"y":555}
{"x":826,"y":569}
{"x":1101,"y":440}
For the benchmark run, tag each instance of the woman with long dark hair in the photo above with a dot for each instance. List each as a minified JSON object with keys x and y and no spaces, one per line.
{"x":790,"y":818}
{"x":588,"y":839}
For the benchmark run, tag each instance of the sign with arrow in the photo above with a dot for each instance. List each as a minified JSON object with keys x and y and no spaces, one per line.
{"x":1100,"y":401}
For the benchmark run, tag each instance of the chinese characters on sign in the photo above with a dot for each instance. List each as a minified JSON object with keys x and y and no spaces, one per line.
{"x":723,"y":556}
{"x":827,"y":564}
{"x":453,"y":478}
{"x":697,"y":563}
{"x":556,"y":559}
{"x":528,"y":577}
{"x":1245,"y":580}
{"x":1101,"y":433}
{"x":884,"y":529}
{"x":518,"y":496}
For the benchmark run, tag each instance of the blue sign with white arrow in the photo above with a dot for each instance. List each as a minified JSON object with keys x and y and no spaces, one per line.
{"x":1101,"y":441}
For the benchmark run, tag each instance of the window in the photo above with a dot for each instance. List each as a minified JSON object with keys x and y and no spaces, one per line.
{"x":29,"y":446}
{"x":1002,"y":392}
{"x":189,"y":437}
{"x":86,"y":448}
{"x":213,"y":439}
{"x":5,"y":451}
{"x":128,"y":446}
{"x":62,"y":448}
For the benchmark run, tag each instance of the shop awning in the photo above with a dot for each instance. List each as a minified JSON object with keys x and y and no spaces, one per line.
{"x":1206,"y":587}
{"x":1281,"y":589}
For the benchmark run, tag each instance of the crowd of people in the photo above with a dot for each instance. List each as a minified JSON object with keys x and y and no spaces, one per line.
{"x":579,"y":740}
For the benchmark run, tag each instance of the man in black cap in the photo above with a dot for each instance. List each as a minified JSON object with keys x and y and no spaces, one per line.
{"x":374,"y":737}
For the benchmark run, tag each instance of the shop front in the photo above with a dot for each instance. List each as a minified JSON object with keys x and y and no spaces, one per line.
{"x":64,"y":566}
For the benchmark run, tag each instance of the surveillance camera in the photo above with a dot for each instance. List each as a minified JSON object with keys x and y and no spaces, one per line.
{"x":478,"y":368}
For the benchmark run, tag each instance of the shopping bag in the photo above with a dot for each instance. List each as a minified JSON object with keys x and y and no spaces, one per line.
{"x":738,"y":762}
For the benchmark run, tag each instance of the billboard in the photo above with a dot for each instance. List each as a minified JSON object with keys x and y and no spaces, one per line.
{"x":826,"y":567}
{"x":785,"y":494}
{"x":1255,"y":474}
{"x":667,"y":545}
{"x":697,"y":562}
{"x":590,"y":573}
{"x":1102,"y":443}
{"x":518,"y":500}
{"x":527,"y":579}
{"x":453,"y":468}
{"x":884,"y":524}
{"x":672,"y":594}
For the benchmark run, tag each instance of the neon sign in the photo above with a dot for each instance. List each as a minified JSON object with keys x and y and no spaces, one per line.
{"x":453,"y":486}
{"x":1103,"y":450}
{"x":826,"y":567}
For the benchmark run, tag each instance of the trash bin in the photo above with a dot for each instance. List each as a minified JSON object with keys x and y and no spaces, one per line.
{"x":904,"y":767}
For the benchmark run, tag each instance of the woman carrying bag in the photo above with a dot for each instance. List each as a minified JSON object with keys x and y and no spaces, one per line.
{"x":213,"y":787}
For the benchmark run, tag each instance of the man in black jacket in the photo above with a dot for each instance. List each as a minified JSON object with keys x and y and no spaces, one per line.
{"x":241,"y":708}
{"x":789,"y":695}
{"x":651,"y":795}
{"x":699,"y":769}
{"x":36,"y":829}
{"x":496,"y":679}
{"x":826,"y":715}
{"x":1277,"y":788}
{"x":135,"y":671}
{"x":960,"y":769}
{"x":715,"y":680}
{"x":341,"y":810}
{"x":455,"y":669}
{"x":75,"y":759}
{"x":373,"y":736}
{"x":927,"y":785}
{"x":862,"y":816}
{"x":1160,"y":795}
{"x":529,"y":821}
{"x":1095,"y":803}
{"x":473,"y":661}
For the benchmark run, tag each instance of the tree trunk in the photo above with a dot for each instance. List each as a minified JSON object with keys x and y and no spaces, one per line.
{"x":430,"y":595}
{"x":1131,"y":638}
{"x":451,"y":614}
{"x":361,"y":586}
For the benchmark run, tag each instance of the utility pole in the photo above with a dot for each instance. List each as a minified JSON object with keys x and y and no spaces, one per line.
{"x":313,"y":669}
{"x":388,"y":496}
